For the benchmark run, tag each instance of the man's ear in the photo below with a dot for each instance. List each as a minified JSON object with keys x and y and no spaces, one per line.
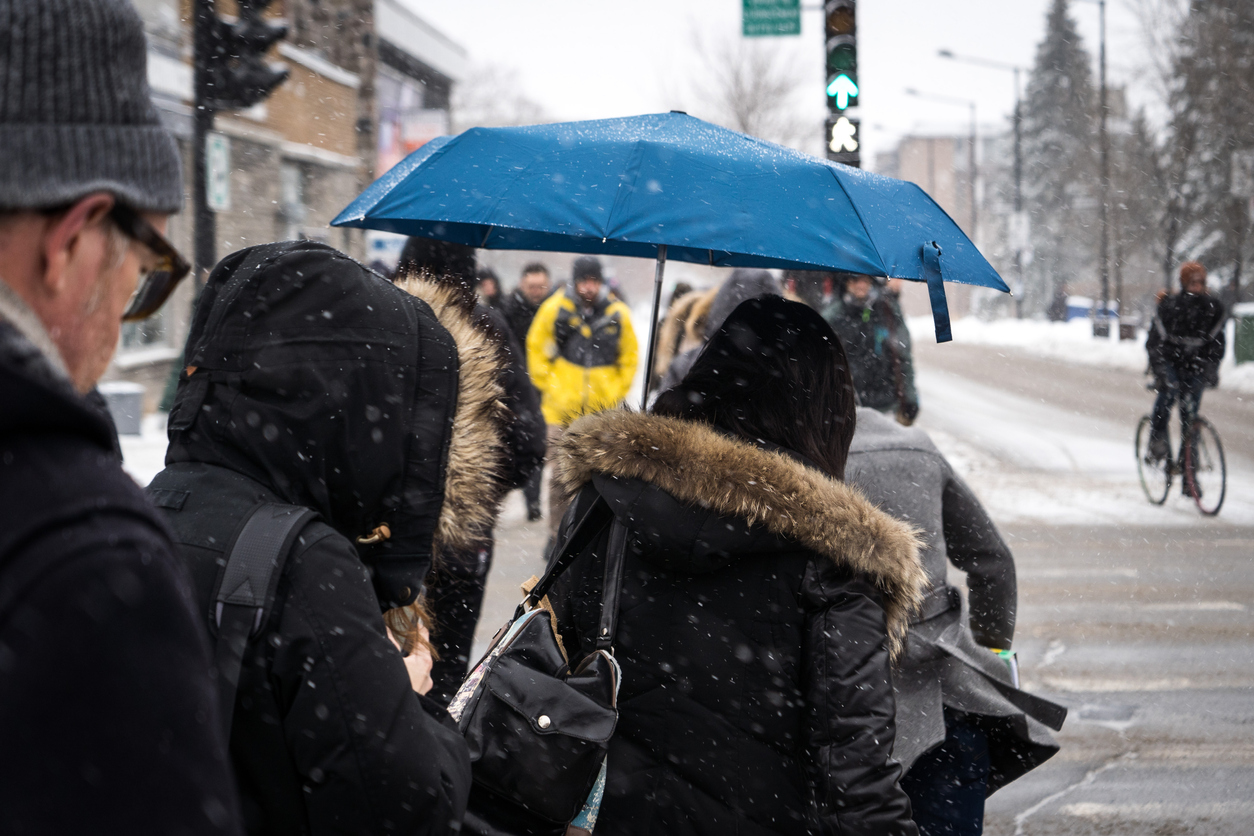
{"x":63,"y":238}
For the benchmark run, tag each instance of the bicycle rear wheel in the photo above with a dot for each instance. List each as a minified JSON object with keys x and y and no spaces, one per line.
{"x":1205,"y":472}
{"x":1155,"y":473}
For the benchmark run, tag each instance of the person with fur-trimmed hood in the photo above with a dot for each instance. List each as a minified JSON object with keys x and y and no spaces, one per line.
{"x":313,"y":381}
{"x":443,"y":273}
{"x":762,"y":598}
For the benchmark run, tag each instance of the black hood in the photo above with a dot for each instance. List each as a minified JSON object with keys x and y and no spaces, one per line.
{"x":336,"y":390}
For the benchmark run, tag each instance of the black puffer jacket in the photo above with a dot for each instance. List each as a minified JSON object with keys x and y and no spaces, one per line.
{"x":760,"y":603}
{"x":107,"y":717}
{"x":317,"y":383}
{"x":1187,"y":335}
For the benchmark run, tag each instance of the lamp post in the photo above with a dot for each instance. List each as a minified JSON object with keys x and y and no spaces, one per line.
{"x":969,"y":103}
{"x":1020,"y":218}
{"x":1101,"y":324}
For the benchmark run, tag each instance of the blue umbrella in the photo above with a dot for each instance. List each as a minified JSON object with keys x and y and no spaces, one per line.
{"x":668,"y":185}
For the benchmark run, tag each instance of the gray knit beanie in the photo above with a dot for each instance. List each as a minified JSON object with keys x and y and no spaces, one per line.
{"x":76,"y":115}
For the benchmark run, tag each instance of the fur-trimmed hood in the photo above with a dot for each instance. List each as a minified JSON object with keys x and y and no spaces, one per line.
{"x":769,"y":490}
{"x":339,"y":391}
{"x":473,"y":487}
{"x":683,"y":327}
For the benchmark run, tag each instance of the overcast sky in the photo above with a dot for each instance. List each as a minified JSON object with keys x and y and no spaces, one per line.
{"x":586,"y":59}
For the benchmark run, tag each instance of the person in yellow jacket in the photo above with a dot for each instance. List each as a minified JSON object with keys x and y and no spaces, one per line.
{"x":581,"y":354}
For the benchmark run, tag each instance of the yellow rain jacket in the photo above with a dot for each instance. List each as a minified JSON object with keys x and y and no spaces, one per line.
{"x":580,"y":365}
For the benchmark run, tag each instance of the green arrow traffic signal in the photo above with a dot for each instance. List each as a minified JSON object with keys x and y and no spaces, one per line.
{"x":842,"y":88}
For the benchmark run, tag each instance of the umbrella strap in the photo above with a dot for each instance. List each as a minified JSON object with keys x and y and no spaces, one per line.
{"x":936,"y":291}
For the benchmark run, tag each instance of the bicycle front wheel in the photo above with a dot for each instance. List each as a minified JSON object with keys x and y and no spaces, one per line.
{"x":1205,"y":472}
{"x":1155,"y":472}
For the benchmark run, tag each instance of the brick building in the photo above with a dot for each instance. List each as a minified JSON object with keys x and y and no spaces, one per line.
{"x":369,"y":82}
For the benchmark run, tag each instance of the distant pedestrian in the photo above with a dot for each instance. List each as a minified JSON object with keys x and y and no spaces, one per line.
{"x":869,"y":322}
{"x":581,"y":353}
{"x":488,"y":287}
{"x":761,"y":601}
{"x":741,"y":285}
{"x":108,"y":722}
{"x":682,"y":329}
{"x":1186,"y":344}
{"x":520,"y":308}
{"x":443,"y":274}
{"x":989,"y":732}
{"x":314,"y":382}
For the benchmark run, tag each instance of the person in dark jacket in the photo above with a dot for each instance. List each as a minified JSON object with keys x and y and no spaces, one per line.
{"x":963,"y":729}
{"x":107,"y":717}
{"x":762,"y":598}
{"x":742,"y":284}
{"x":519,"y":308}
{"x":443,"y":274}
{"x":870,"y":324}
{"x":312,"y":381}
{"x":1185,"y":344}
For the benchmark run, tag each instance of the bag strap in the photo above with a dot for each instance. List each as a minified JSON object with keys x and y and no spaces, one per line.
{"x":589,"y":526}
{"x":613,"y":585}
{"x":246,"y":591}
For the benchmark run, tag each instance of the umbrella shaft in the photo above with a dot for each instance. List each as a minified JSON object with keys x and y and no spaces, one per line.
{"x":657,"y":303}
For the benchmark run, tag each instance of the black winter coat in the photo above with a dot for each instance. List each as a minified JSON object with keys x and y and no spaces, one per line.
{"x":1187,"y":336}
{"x":877,"y":343}
{"x":760,"y":604}
{"x":526,"y":436}
{"x":518,"y":312}
{"x":107,"y":718}
{"x":317,"y":383}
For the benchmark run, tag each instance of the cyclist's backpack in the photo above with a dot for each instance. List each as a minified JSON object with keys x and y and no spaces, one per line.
{"x":245,"y":593}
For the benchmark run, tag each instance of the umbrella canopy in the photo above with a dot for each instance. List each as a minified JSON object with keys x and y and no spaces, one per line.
{"x":673,"y":186}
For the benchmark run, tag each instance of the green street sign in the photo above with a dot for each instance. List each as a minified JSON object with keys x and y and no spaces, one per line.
{"x":764,"y":18}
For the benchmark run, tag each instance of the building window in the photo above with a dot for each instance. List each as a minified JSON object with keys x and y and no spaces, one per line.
{"x":292,"y":208}
{"x":149,"y":333}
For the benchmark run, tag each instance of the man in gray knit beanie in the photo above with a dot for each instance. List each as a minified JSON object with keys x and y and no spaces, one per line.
{"x":108,"y":718}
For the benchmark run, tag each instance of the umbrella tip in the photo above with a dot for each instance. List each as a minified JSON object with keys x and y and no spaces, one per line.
{"x":680,"y":112}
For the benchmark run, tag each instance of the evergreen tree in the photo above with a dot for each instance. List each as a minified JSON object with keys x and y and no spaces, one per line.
{"x":1060,"y":163}
{"x":1212,"y":118}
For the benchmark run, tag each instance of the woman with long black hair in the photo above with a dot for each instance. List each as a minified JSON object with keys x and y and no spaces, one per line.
{"x":762,"y":598}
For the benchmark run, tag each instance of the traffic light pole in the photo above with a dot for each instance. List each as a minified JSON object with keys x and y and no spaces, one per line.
{"x":1104,"y":148}
{"x":205,"y":224}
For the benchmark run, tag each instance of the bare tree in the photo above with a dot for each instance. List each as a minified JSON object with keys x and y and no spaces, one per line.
{"x":488,"y":97}
{"x":753,"y":87}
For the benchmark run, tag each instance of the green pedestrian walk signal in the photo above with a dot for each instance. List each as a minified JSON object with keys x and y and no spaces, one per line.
{"x":842,"y":90}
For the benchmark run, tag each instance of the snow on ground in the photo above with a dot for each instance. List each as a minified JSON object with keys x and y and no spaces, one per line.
{"x":1073,"y":342}
{"x":1031,"y":462}
{"x":143,"y":456}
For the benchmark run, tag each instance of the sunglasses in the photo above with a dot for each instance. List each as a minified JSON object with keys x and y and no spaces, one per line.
{"x":158,"y":280}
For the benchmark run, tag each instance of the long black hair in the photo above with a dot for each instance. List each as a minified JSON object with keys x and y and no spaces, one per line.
{"x":774,"y":371}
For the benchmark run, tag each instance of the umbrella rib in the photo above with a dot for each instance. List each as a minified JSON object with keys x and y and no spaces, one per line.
{"x":853,"y":204}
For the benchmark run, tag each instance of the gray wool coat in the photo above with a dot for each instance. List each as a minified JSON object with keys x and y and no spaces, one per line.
{"x":946,"y":662}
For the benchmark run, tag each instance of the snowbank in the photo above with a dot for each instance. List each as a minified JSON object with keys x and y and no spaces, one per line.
{"x":1073,"y":342}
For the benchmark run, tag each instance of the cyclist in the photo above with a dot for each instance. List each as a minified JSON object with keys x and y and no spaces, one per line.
{"x":1185,"y":345}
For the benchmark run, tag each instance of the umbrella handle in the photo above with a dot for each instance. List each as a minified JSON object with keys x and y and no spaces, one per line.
{"x":657,"y":303}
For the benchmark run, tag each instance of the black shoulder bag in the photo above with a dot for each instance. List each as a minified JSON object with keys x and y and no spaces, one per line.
{"x":245,"y":593}
{"x":538,"y":725}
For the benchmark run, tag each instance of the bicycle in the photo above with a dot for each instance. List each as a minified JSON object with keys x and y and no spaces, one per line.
{"x":1199,"y":461}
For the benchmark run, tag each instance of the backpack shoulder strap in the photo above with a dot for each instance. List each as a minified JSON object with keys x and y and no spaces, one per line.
{"x":246,"y":592}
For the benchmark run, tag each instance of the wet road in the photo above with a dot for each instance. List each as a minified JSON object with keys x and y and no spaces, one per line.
{"x":1139,"y":618}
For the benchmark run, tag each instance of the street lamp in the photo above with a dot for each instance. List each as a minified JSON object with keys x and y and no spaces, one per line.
{"x":1101,"y":326}
{"x":970,"y":103}
{"x":1020,"y":218}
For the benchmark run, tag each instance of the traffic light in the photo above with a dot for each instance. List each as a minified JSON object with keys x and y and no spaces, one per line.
{"x":843,"y":140}
{"x":841,"y":29}
{"x":235,"y":74}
